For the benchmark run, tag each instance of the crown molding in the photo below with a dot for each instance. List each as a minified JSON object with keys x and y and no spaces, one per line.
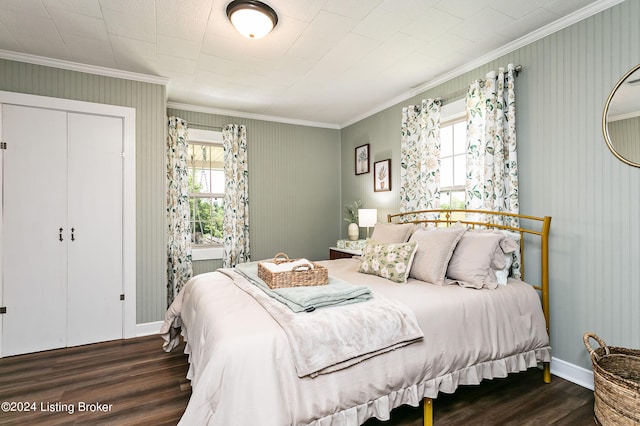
{"x":252,"y":116}
{"x":76,"y":66}
{"x":110,"y":72}
{"x":577,"y":16}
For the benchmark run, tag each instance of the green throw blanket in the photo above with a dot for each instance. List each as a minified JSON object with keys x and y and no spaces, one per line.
{"x":308,"y":298}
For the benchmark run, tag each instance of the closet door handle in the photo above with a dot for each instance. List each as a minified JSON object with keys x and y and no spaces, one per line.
{"x":60,"y":234}
{"x":73,"y":237}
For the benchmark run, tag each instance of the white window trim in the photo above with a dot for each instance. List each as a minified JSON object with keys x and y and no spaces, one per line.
{"x":207,"y":253}
{"x":207,"y":136}
{"x":453,"y":111}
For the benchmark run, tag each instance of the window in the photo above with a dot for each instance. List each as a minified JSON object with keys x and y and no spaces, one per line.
{"x":453,"y":138}
{"x":453,"y":146}
{"x":206,"y":189}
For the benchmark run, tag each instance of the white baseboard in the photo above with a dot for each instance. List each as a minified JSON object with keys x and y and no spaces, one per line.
{"x":148,"y":328}
{"x":573,"y":373}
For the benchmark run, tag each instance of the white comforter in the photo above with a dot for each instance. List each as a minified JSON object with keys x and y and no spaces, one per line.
{"x":243,"y":373}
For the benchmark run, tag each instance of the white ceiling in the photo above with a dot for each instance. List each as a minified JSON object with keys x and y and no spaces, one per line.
{"x":327,"y":62}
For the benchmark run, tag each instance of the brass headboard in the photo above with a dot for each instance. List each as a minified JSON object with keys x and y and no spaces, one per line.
{"x":534,"y":225}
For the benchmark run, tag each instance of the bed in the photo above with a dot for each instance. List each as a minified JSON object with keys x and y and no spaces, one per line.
{"x":244,"y":370}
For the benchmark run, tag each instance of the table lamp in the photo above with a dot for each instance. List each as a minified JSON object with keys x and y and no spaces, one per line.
{"x":367,"y":218}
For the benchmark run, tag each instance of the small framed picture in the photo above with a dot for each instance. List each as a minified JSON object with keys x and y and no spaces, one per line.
{"x":382,"y":176}
{"x":362,"y":159}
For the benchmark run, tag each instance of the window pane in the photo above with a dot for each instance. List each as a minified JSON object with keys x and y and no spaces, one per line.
{"x":206,"y":220}
{"x":446,"y":141}
{"x":460,"y":137}
{"x":445,"y":200}
{"x":202,"y":181}
{"x":217,"y":181}
{"x":446,"y":172}
{"x":459,"y":168}
{"x":457,"y":200}
{"x":192,"y":180}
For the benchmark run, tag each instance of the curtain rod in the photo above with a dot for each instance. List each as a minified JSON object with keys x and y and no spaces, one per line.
{"x":457,"y":95}
{"x":210,"y":126}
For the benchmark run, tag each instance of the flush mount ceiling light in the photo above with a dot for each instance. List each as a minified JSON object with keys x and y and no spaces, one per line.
{"x":252,"y":19}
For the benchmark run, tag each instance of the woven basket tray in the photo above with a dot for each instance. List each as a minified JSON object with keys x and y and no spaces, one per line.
{"x":301,"y":276}
{"x":616,"y":383}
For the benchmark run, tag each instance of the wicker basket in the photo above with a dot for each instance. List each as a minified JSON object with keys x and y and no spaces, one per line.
{"x":300,"y":276}
{"x":616,"y":383}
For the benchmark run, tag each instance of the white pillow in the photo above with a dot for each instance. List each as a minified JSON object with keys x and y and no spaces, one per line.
{"x":515,"y":256}
{"x":502,"y":275}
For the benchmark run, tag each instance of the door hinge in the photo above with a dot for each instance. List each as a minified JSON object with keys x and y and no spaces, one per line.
{"x":3,"y":309}
{"x":3,"y":145}
{"x":122,"y":297}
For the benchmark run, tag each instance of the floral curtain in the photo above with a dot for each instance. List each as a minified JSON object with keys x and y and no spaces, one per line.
{"x":179,"y":267}
{"x":236,"y":198}
{"x":420,"y":157}
{"x":492,"y":164}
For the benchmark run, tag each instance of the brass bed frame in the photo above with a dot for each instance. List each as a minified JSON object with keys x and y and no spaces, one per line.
{"x":536,"y":226}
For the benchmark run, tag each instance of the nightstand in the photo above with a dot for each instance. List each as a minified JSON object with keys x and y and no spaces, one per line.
{"x":341,"y":253}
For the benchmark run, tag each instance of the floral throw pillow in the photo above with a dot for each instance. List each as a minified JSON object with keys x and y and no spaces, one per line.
{"x":387,"y":260}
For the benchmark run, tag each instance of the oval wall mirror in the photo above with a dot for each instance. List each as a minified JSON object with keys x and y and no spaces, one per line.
{"x":621,"y":118}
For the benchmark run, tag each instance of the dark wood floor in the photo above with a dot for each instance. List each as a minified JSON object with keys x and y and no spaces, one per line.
{"x":137,"y":383}
{"x":144,"y":384}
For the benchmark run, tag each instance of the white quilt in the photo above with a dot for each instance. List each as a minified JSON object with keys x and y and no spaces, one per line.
{"x":243,"y":372}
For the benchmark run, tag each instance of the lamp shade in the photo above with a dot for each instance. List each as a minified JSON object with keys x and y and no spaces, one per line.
{"x":367,"y":217}
{"x":253,"y":19}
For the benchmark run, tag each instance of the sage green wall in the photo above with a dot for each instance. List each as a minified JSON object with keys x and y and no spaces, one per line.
{"x":203,"y":266}
{"x":566,"y":171}
{"x":149,"y":102}
{"x":294,"y":186}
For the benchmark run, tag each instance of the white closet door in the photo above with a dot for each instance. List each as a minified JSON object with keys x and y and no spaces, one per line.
{"x":95,"y":179}
{"x":34,"y":209}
